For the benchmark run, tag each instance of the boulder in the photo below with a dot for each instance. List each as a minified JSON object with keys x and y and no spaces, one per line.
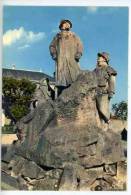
{"x":65,"y":147}
{"x":8,"y":182}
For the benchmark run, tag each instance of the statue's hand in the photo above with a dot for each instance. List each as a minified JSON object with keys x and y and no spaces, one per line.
{"x":54,"y":57}
{"x":110,"y":95}
{"x":77,"y":57}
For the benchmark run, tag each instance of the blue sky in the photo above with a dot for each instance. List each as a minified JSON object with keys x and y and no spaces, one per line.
{"x":28,"y":31}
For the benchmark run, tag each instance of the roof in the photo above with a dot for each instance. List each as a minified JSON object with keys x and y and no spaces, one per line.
{"x":28,"y":74}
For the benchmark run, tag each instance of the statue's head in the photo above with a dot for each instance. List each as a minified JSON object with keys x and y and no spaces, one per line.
{"x":65,"y":25}
{"x":102,"y":59}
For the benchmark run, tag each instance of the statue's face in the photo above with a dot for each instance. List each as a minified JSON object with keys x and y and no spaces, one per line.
{"x":65,"y":26}
{"x":101,"y":62}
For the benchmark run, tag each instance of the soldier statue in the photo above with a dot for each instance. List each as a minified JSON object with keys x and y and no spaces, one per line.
{"x":66,"y":49}
{"x":105,"y":85}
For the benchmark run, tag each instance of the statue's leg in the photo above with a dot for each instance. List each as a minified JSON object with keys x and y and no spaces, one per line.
{"x":103,"y":107}
{"x":56,"y":92}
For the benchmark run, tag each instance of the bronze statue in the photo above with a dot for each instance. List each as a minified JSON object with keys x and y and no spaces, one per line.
{"x":66,"y":49}
{"x":106,"y":85}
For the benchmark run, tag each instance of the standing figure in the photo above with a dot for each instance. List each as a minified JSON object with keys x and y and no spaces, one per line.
{"x":105,"y":85}
{"x":66,"y":49}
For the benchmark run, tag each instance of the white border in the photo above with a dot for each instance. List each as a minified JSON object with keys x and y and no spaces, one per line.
{"x":68,"y":2}
{"x":78,"y":3}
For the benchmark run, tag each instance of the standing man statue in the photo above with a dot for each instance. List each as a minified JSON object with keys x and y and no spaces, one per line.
{"x":105,"y":85}
{"x":66,"y":49}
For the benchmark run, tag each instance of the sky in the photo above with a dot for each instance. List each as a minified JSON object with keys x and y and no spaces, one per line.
{"x":28,"y":31}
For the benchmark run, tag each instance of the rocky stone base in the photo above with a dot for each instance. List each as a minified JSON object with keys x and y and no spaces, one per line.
{"x":65,"y":147}
{"x":22,"y":174}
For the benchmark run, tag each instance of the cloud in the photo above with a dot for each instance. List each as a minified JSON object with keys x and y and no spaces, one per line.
{"x":103,"y":10}
{"x":24,"y":47}
{"x":92,"y":9}
{"x":21,"y":38}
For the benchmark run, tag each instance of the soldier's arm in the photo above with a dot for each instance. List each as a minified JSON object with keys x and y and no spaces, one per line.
{"x":52,"y":48}
{"x":112,"y":80}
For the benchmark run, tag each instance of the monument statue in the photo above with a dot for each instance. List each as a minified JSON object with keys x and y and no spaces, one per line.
{"x":106,"y":85}
{"x":62,"y":144}
{"x":66,"y":49}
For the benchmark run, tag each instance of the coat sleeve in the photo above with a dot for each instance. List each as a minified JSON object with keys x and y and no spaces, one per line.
{"x":79,"y":49}
{"x":52,"y":48}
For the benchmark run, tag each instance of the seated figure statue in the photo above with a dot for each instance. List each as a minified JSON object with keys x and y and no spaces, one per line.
{"x":40,"y":106}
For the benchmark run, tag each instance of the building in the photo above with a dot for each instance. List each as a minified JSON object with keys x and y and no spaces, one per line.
{"x":27,"y":74}
{"x":34,"y":76}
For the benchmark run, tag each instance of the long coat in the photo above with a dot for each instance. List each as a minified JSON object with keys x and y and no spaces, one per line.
{"x":65,"y":48}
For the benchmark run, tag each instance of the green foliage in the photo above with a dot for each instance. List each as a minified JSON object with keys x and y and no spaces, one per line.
{"x":18,"y":111}
{"x":120,"y":110}
{"x":8,"y":129}
{"x":17,"y":95}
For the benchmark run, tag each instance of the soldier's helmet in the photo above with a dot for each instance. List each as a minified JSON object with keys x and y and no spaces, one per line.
{"x":105,"y":55}
{"x":63,"y":21}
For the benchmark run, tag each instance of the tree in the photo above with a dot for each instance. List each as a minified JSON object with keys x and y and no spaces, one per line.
{"x":120,"y":110}
{"x":16,"y":97}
